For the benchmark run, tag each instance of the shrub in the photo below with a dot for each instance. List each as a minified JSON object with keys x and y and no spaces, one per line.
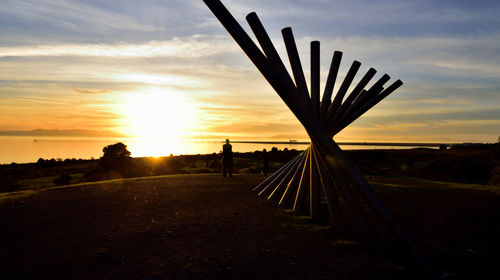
{"x":65,"y":179}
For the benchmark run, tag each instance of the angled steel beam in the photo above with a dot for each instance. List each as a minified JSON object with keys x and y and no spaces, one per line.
{"x":292,"y":186}
{"x":295,"y":64}
{"x":367,"y":106}
{"x":330,"y":83}
{"x":280,"y":188}
{"x":314,"y":190}
{"x":276,"y":180}
{"x":352,"y":96}
{"x":337,"y":216}
{"x":303,"y":184}
{"x":264,"y":183}
{"x":315,"y":79}
{"x":337,"y":101}
{"x":361,"y":100}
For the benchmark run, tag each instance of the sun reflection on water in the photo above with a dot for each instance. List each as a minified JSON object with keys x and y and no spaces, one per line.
{"x":155,"y":147}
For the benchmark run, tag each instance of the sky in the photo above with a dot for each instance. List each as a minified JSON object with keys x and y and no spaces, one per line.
{"x":169,"y":69}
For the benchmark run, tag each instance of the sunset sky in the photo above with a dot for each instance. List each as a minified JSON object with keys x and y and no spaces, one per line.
{"x":169,"y":69}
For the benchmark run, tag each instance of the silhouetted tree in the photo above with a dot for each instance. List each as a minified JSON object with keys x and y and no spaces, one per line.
{"x":116,"y":157}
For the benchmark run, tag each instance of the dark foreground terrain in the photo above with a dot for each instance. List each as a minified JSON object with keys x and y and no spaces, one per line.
{"x":207,"y":227}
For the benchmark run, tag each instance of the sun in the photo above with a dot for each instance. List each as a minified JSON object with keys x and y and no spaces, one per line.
{"x":154,"y":113}
{"x":154,"y":117}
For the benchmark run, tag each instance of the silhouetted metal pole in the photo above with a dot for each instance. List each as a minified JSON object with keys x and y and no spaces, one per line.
{"x":315,"y":77}
{"x":330,"y":84}
{"x":337,"y":101}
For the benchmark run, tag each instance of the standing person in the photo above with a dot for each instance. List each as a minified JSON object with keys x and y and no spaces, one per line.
{"x":227,"y":159}
{"x":265,"y":162}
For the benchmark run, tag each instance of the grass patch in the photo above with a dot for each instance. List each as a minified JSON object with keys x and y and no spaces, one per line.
{"x":25,"y":193}
{"x":15,"y":195}
{"x":38,"y":183}
{"x":417,"y":183}
{"x":45,"y":182}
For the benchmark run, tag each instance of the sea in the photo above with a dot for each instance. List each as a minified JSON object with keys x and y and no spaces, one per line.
{"x":26,"y":149}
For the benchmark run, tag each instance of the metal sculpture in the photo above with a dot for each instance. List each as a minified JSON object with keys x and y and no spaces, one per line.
{"x":322,"y":169}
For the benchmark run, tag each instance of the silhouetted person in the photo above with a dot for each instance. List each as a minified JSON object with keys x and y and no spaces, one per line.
{"x":265,"y":162}
{"x":227,"y":159}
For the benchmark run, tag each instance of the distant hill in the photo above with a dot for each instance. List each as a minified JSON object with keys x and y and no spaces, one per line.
{"x":66,"y":132}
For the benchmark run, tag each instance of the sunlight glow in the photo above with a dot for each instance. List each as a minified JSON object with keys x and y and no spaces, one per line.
{"x":159,"y":79}
{"x":157,"y":116}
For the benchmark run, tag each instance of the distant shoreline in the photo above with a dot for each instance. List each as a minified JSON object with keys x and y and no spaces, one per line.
{"x":26,"y":149}
{"x":358,"y":143}
{"x":269,"y":142}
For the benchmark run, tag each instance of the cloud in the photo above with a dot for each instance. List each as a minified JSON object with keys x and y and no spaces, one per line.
{"x":456,"y":115}
{"x":444,"y":101}
{"x":192,"y":47}
{"x":455,"y":55}
{"x":159,"y":79}
{"x":374,"y":18}
{"x":445,"y":52}
{"x":90,"y":91}
{"x":61,"y":20}
{"x":443,"y":131}
{"x":263,"y":130}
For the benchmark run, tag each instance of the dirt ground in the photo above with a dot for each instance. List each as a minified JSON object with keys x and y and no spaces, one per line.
{"x":207,"y":227}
